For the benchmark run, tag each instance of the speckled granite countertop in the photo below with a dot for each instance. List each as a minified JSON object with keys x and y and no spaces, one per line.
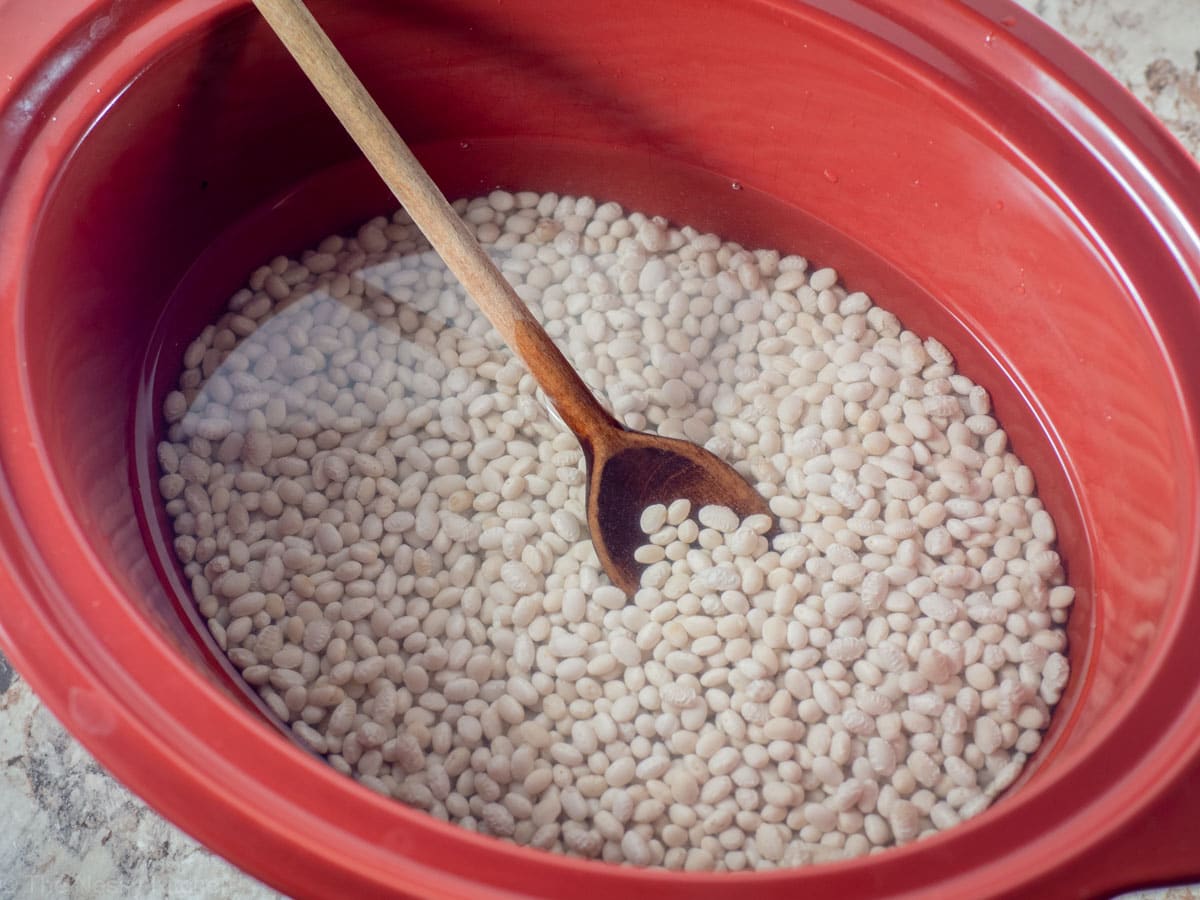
{"x":68,"y":830}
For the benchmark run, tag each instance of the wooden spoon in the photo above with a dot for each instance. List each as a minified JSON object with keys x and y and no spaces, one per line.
{"x":627,"y":470}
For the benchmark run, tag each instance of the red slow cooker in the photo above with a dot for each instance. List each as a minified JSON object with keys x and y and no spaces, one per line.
{"x":956,"y":159}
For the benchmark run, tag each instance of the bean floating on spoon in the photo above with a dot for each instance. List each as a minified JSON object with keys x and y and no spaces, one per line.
{"x":627,"y":470}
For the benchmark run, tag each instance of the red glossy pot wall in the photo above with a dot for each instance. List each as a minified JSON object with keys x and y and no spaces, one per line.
{"x":964,"y":165}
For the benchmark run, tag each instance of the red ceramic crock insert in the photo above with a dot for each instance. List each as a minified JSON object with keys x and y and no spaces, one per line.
{"x":980,"y":179}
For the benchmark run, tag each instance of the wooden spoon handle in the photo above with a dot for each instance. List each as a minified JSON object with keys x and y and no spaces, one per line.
{"x":410,"y":183}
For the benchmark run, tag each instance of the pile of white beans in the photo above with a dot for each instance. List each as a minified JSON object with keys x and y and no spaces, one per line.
{"x":382,"y":525}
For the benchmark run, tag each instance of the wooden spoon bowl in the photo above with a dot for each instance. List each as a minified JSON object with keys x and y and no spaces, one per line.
{"x":630,"y":470}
